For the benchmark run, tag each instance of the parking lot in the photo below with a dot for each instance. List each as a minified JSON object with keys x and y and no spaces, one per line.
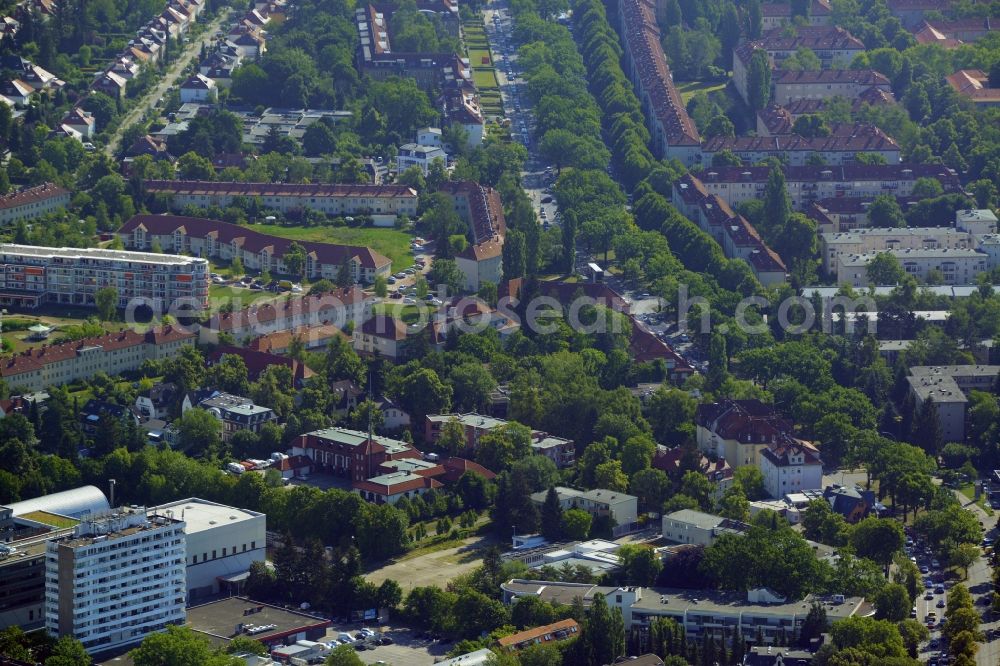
{"x":406,"y":648}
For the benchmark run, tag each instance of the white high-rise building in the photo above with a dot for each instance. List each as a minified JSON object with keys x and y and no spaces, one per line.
{"x":117,"y":578}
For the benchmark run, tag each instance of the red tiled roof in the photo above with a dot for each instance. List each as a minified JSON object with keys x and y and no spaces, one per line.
{"x":646,"y":347}
{"x":486,"y":219}
{"x":252,"y":241}
{"x":865,"y":77}
{"x":257,"y":362}
{"x":742,"y":420}
{"x":294,"y":462}
{"x":864,"y":139}
{"x":784,"y":9}
{"x":273,"y":312}
{"x":456,"y":467}
{"x":642,"y":38}
{"x":35,"y":359}
{"x":566,"y":629}
{"x":669,"y":460}
{"x":30,"y":195}
{"x":383,"y":326}
{"x":780,"y":453}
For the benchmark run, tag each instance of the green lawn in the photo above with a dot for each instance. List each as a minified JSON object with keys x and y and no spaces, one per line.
{"x":390,"y":242}
{"x":409,"y":314}
{"x":689,"y":89}
{"x":485,"y":79}
{"x":476,"y":57}
{"x":46,"y":518}
{"x":969,"y":492}
{"x":240,"y":298}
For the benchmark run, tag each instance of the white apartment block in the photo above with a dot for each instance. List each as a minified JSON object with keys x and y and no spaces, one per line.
{"x":870,"y":239}
{"x":380,"y":201}
{"x":956,"y":267}
{"x":31,"y":276}
{"x":412,"y":154}
{"x":116,"y":579}
{"x":222,"y":542}
{"x":791,"y":467}
{"x":698,"y":528}
{"x":806,"y":184}
{"x":32,"y":202}
{"x":114,"y":353}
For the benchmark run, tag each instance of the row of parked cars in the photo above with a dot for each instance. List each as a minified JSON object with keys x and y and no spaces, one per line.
{"x":365,"y":639}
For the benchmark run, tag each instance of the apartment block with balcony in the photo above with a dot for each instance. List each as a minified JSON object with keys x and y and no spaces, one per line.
{"x":31,"y":276}
{"x":116,"y":579}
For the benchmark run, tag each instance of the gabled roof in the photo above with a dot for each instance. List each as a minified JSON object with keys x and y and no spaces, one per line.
{"x":782,"y":453}
{"x":249,"y":239}
{"x":383,"y":326}
{"x":31,"y":195}
{"x":545,"y":634}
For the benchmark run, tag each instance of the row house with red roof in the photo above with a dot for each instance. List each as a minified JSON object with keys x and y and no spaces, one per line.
{"x":738,"y":238}
{"x":299,"y":314}
{"x":258,"y":251}
{"x":795,"y":150}
{"x":672,"y":131}
{"x":31,"y":202}
{"x":481,"y":209}
{"x":779,"y":14}
{"x":381,"y":202}
{"x":112,"y":354}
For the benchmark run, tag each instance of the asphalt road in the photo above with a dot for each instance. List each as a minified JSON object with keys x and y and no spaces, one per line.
{"x":535,"y":179}
{"x":171,"y":77}
{"x":980,"y":584}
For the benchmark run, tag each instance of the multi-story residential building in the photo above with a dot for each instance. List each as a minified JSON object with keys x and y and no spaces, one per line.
{"x":873,"y":239}
{"x":700,"y":612}
{"x":791,"y":467}
{"x":738,"y":238}
{"x":835,"y":150}
{"x":378,"y":60}
{"x":974,"y":85}
{"x":198,"y":88}
{"x":257,"y":251}
{"x":460,"y":104}
{"x":155,"y":402}
{"x":32,"y":202}
{"x":116,"y":579}
{"x":481,"y":209}
{"x":775,"y":120}
{"x":378,"y":201}
{"x":826,"y":83}
{"x":412,"y":154}
{"x":718,"y":471}
{"x":621,"y":508}
{"x":739,"y":430}
{"x":337,"y":308}
{"x":381,"y":335}
{"x":950,"y":266}
{"x":779,"y":14}
{"x":698,"y":528}
{"x":561,"y":451}
{"x":911,"y":12}
{"x":954,"y":33}
{"x":31,"y":276}
{"x":806,"y":184}
{"x":833,"y":45}
{"x":946,"y":387}
{"x":351,"y":453}
{"x":673,"y":133}
{"x":80,"y":122}
{"x":113,"y":353}
{"x":221,"y":543}
{"x":237,"y":413}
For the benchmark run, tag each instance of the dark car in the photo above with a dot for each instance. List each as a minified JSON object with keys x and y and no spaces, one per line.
{"x":386,"y":640}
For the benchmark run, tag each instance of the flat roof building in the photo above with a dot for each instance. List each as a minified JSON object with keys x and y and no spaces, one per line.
{"x":31,"y":276}
{"x":952,"y":266}
{"x":221,"y":544}
{"x":696,"y":527}
{"x":946,"y":386}
{"x":225,"y":619}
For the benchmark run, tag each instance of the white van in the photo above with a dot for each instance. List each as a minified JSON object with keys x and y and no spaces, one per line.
{"x":345,"y":637}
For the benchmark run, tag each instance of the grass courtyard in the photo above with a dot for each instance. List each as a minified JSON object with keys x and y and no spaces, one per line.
{"x":390,"y":242}
{"x":689,"y":89}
